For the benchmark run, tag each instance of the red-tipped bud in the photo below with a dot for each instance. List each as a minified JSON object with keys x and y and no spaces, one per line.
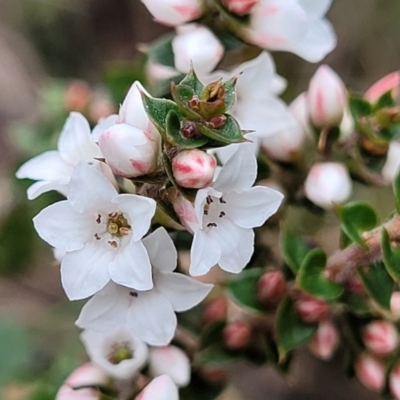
{"x":271,"y":288}
{"x":370,"y":371}
{"x":216,"y":310}
{"x":240,"y":7}
{"x":236,"y":334}
{"x":380,"y":337}
{"x":395,"y":304}
{"x":390,"y":82}
{"x":193,"y":168}
{"x":394,"y":382}
{"x":325,"y":340}
{"x":311,"y":309}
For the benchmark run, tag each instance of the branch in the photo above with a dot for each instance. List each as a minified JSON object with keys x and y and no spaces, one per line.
{"x":341,"y":265}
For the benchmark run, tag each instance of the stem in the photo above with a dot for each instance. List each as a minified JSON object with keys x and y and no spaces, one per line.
{"x":342,"y":264}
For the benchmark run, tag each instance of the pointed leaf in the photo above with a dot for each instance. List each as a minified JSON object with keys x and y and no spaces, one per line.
{"x":193,"y":82}
{"x":294,"y":250}
{"x":229,"y":133}
{"x":311,"y":280}
{"x":243,"y":289}
{"x":230,"y":92}
{"x":359,"y":107}
{"x":216,"y":356}
{"x":182,"y":94}
{"x":356,"y":218}
{"x":378,"y":283}
{"x":391,"y":256}
{"x":385,"y":101}
{"x":291,"y":331}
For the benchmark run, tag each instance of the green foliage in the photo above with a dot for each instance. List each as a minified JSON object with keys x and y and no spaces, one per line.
{"x":356,"y":218}
{"x":378,"y":283}
{"x":294,"y":250}
{"x":310,"y":277}
{"x":359,"y":107}
{"x":229,"y":133}
{"x":243,"y":289}
{"x":160,"y":51}
{"x":391,"y":256}
{"x":386,"y":100}
{"x":291,"y":331}
{"x":396,"y":191}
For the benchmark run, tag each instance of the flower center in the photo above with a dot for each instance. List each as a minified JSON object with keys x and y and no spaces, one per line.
{"x":120,"y":352}
{"x":214,"y":209}
{"x":117,"y":225}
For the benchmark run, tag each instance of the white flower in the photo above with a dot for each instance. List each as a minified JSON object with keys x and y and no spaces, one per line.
{"x":174,"y":12}
{"x":226,"y":213}
{"x":101,"y":233}
{"x":149,"y":315}
{"x":131,"y":147}
{"x":196,"y":45}
{"x":297,"y":26}
{"x":53,"y":168}
{"x":392,"y":164}
{"x":160,"y":388}
{"x":119,"y":353}
{"x":170,"y":360}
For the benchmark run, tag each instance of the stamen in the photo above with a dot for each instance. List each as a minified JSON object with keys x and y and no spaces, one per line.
{"x":113,"y":243}
{"x":222,"y":214}
{"x":221,"y":200}
{"x":205,"y":212}
{"x":124,"y":231}
{"x":96,"y":235}
{"x":212,"y":225}
{"x":133,"y":294}
{"x":209,"y":200}
{"x":98,"y":220}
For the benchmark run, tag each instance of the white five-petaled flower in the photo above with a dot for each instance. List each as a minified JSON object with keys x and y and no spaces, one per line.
{"x":118,"y":353}
{"x":76,"y":143}
{"x":149,"y":315}
{"x":101,"y":232}
{"x":226,"y":213}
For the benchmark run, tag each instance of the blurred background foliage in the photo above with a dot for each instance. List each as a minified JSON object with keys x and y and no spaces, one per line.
{"x":45,"y":46}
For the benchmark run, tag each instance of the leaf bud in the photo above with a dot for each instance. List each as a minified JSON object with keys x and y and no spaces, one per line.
{"x":271,"y":287}
{"x":370,"y":371}
{"x":325,"y":340}
{"x":236,"y":334}
{"x":380,"y":337}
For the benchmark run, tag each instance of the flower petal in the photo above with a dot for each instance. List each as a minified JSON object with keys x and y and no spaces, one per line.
{"x":62,"y":227}
{"x":161,"y":250}
{"x":316,"y":8}
{"x":103,"y":125}
{"x":252,"y":207}
{"x":131,"y":267}
{"x":140,"y":210}
{"x":152,"y":318}
{"x":182,"y":291}
{"x":38,"y":188}
{"x":84,"y":272}
{"x":89,"y":190}
{"x":204,"y":253}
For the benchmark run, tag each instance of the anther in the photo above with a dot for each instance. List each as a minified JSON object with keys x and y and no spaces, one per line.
{"x":212,"y":225}
{"x":222,"y":214}
{"x":113,"y":243}
{"x":98,"y":220}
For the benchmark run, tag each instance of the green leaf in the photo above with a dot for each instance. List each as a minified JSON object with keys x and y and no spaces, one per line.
{"x":291,"y":331}
{"x":243,"y":289}
{"x":174,"y":136}
{"x":356,"y":218}
{"x":378,"y":283}
{"x":216,"y":356}
{"x":182,"y":94}
{"x":396,"y":191}
{"x":294,"y":250}
{"x":358,"y":305}
{"x":193,"y":82}
{"x":386,"y":100}
{"x":230,"y":92}
{"x":229,"y":133}
{"x":161,"y":52}
{"x":359,"y":107}
{"x":391,"y":256}
{"x":311,"y":280}
{"x":212,"y":334}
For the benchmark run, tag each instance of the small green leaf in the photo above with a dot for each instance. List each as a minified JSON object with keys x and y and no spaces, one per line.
{"x":182,"y":94}
{"x":358,"y":305}
{"x":291,"y":331}
{"x":385,"y":101}
{"x":311,"y":280}
{"x":161,"y":52}
{"x":378,"y":283}
{"x":391,"y":256}
{"x":229,"y":133}
{"x":243,"y":289}
{"x":396,"y":190}
{"x":216,"y":356}
{"x":230,"y":92}
{"x":193,"y":82}
{"x":356,"y":218}
{"x":212,"y":334}
{"x":359,"y":107}
{"x":294,"y":250}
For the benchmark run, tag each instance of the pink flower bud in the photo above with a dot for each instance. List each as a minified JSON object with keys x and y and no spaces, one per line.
{"x":86,"y":375}
{"x":193,"y":168}
{"x":184,"y":209}
{"x":239,"y":7}
{"x":174,"y":12}
{"x":395,"y":304}
{"x":394,"y":382}
{"x":77,"y":96}
{"x":325,"y":340}
{"x":328,"y":183}
{"x":170,"y":360}
{"x":355,"y":286}
{"x":216,"y":310}
{"x":390,"y":82}
{"x":299,"y":109}
{"x":160,"y":388}
{"x":311,"y":309}
{"x":370,"y":371}
{"x":392,"y":164}
{"x":271,"y":288}
{"x":326,"y":98}
{"x":197,"y":45}
{"x":236,"y":334}
{"x":380,"y":337}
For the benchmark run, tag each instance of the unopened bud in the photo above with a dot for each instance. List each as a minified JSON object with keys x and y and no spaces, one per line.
{"x":240,"y":7}
{"x":328,"y":183}
{"x":236,"y":334}
{"x":184,"y":209}
{"x":193,"y":168}
{"x":370,"y":371}
{"x":390,"y":82}
{"x":325,"y":340}
{"x":271,"y":287}
{"x":392,"y":164}
{"x":326,"y":98}
{"x":355,"y":286}
{"x":394,"y":382}
{"x":395,"y":304}
{"x":174,"y":12}
{"x":77,"y":96}
{"x":170,"y":360}
{"x":311,"y":309}
{"x":160,"y":388}
{"x":380,"y":337}
{"x":196,"y":45}
{"x":216,"y":310}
